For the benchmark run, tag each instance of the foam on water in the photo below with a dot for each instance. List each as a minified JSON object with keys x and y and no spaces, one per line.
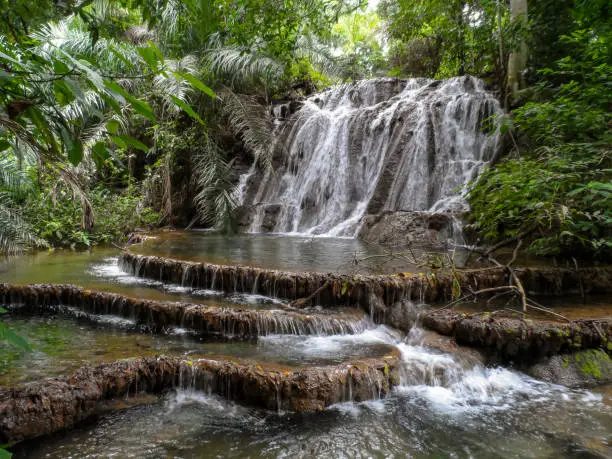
{"x":111,"y":270}
{"x":440,"y":381}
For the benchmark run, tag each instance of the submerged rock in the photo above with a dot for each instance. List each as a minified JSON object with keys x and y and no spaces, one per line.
{"x":47,"y":406}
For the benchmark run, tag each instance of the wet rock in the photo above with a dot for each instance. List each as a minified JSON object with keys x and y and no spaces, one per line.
{"x":158,"y":315}
{"x":353,"y":290}
{"x":44,"y":407}
{"x":520,"y":341}
{"x":579,"y":369}
{"x":467,"y":356}
{"x":405,"y":228}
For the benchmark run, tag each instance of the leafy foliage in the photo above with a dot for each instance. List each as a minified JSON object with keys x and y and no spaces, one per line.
{"x":57,"y":220}
{"x":561,"y":187}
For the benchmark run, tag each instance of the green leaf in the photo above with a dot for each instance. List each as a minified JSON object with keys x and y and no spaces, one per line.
{"x":60,"y":67}
{"x":118,"y":141}
{"x":121,"y":57}
{"x":185,"y":107}
{"x":13,"y":338}
{"x":4,"y":144}
{"x":112,"y":126}
{"x":42,"y":125}
{"x":158,"y":53}
{"x":132,"y":142}
{"x":100,"y":151}
{"x":75,"y":152}
{"x":149,"y":57}
{"x":141,"y":107}
{"x":4,"y":454}
{"x":113,"y":103}
{"x":2,"y":310}
{"x":9,"y":58}
{"x":63,"y":93}
{"x":92,"y":76}
{"x":196,"y":83}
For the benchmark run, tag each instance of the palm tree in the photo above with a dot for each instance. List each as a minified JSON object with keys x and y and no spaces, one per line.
{"x":15,"y":233}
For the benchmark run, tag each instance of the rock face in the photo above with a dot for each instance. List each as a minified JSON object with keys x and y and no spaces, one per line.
{"x":44,"y":407}
{"x":581,"y":369}
{"x":433,"y":229}
{"x":375,"y":294}
{"x":374,"y":146}
{"x":520,"y":341}
{"x":206,"y":320}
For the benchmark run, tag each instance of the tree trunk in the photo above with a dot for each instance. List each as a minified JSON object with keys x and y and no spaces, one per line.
{"x":518,"y":58}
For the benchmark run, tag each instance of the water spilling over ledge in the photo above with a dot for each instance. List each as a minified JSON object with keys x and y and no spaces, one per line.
{"x":372,"y":146}
{"x":158,"y":316}
{"x":374,"y":293}
{"x":39,"y":408}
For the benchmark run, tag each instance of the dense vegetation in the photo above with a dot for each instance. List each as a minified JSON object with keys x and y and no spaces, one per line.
{"x":116,"y":115}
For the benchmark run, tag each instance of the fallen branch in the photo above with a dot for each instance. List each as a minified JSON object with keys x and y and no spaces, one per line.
{"x":303,"y":302}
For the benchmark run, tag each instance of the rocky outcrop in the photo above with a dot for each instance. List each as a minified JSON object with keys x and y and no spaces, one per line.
{"x":403,"y":228}
{"x":588,"y":368}
{"x":518,"y":341}
{"x":158,"y":315}
{"x":374,"y":293}
{"x":47,"y":406}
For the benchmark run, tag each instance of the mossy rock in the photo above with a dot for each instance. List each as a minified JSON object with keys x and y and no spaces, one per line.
{"x":579,"y":369}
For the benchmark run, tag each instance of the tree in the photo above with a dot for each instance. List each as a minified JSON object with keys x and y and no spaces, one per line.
{"x":518,"y":57}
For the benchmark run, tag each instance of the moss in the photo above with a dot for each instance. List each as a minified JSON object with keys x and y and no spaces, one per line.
{"x":590,"y":362}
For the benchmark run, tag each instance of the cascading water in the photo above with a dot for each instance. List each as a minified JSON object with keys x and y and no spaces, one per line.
{"x":373,"y":146}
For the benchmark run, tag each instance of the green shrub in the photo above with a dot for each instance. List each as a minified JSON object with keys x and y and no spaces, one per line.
{"x":562,"y":187}
{"x":57,"y":219}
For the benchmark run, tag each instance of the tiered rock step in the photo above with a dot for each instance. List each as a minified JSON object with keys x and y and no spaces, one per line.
{"x":521,"y":341}
{"x":369,"y":291}
{"x":206,"y":320}
{"x":47,"y":406}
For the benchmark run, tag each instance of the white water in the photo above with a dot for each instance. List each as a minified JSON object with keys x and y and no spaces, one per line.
{"x":111,"y":270}
{"x":447,"y":383}
{"x":374,"y":146}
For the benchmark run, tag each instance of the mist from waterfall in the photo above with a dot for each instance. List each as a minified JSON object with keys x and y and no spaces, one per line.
{"x":373,"y":146}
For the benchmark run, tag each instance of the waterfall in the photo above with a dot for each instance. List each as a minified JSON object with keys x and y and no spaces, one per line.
{"x":369,"y":147}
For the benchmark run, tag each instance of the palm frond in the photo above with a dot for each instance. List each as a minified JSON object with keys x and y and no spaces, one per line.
{"x":334,"y":66}
{"x":250,"y":120}
{"x":215,"y":200}
{"x":168,"y":84}
{"x":238,"y":66}
{"x":15,"y":233}
{"x":12,"y":179}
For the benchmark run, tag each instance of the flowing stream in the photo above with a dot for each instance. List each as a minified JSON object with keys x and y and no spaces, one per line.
{"x":448,"y":402}
{"x":359,"y":149}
